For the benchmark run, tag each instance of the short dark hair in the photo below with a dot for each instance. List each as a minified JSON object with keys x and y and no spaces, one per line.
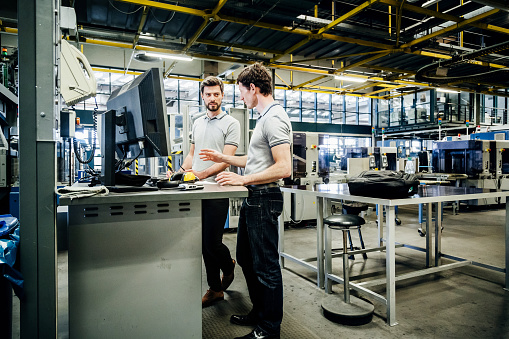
{"x":211,"y":81}
{"x":257,"y":75}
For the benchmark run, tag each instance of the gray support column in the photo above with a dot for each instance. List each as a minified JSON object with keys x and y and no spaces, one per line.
{"x":36,"y":41}
{"x":477,"y":109}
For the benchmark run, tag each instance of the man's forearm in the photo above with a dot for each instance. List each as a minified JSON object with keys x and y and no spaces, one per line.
{"x":271,"y":174}
{"x":239,"y":161}
{"x":214,"y":169}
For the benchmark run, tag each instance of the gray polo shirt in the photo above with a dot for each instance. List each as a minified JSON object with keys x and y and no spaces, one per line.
{"x":214,"y":133}
{"x":272,"y":128}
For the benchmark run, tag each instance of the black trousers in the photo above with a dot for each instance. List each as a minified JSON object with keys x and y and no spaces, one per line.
{"x":215,"y":254}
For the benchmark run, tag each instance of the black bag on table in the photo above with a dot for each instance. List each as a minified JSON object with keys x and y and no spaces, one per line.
{"x":383,"y":184}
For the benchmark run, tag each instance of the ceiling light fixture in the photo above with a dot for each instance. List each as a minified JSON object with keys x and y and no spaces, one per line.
{"x":169,"y":56}
{"x":429,"y":3}
{"x":313,"y":19}
{"x":444,"y":90}
{"x":347,"y":78}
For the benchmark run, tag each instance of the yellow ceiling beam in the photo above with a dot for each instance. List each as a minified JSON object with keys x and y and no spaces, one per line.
{"x":140,"y":26}
{"x":310,"y":81}
{"x":347,"y":16}
{"x":382,"y":90}
{"x":287,"y":85}
{"x":165,"y":6}
{"x":451,"y":28}
{"x":245,"y":47}
{"x":207,"y":20}
{"x":362,"y":62}
{"x":443,"y":16}
{"x":292,"y":48}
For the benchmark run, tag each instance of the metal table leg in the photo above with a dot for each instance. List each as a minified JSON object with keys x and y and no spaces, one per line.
{"x":438,"y":234}
{"x":319,"y":242}
{"x":429,"y":243}
{"x":390,"y":262}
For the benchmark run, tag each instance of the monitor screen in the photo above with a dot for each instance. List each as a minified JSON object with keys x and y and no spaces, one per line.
{"x":140,"y":109}
{"x":135,"y":125}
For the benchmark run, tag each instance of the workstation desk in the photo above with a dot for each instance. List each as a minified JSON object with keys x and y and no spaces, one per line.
{"x":427,"y":195}
{"x":135,"y":263}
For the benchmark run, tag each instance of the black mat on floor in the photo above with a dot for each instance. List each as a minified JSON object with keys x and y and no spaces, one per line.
{"x":216,"y":320}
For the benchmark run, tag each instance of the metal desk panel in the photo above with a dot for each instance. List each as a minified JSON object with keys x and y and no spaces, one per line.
{"x":135,"y":263}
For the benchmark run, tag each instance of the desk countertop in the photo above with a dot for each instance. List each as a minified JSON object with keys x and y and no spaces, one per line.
{"x":210,"y":191}
{"x":426,"y":194}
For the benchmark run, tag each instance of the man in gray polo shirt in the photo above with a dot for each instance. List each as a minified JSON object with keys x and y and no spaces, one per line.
{"x":268,"y":160}
{"x":220,"y":132}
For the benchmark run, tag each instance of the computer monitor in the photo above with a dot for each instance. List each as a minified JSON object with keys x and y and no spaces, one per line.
{"x":136,"y":123}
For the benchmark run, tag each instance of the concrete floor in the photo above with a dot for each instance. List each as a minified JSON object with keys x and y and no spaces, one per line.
{"x":467,"y":302}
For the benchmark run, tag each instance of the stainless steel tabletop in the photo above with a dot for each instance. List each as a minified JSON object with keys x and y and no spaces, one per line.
{"x":210,"y":191}
{"x":425,"y":194}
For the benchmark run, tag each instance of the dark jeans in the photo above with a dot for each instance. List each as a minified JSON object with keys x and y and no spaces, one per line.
{"x":257,"y":254}
{"x":215,"y":254}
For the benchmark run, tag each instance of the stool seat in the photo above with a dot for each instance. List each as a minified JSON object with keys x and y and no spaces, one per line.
{"x":354,"y":207}
{"x":343,"y":221}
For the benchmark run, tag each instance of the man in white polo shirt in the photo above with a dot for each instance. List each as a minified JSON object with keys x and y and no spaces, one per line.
{"x":220,"y":132}
{"x":268,"y":160}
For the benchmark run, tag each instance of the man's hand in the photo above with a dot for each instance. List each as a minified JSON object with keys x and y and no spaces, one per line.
{"x":230,"y":178}
{"x":169,"y":174}
{"x":198,"y":174}
{"x":211,"y":155}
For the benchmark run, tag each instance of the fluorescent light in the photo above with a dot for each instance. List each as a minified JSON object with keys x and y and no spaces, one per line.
{"x":346,"y":78}
{"x":313,"y":19}
{"x":169,"y":56}
{"x":444,"y":90}
{"x":429,"y":3}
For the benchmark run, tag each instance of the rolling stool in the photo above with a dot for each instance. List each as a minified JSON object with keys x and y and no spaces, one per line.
{"x":351,"y":310}
{"x":355,"y":208}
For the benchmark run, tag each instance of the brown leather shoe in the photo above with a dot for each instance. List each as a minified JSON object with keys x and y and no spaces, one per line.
{"x":211,"y":297}
{"x":226,"y":280}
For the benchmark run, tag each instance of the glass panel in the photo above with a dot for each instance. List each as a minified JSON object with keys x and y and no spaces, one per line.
{"x":395,"y":117}
{"x":308,"y":100}
{"x":423,"y":97}
{"x":238,"y":102}
{"x":171,"y":88}
{"x":364,"y":105}
{"x":323,"y":116}
{"x":279,"y":95}
{"x":351,"y":104}
{"x":409,"y":115}
{"x":292,"y":98}
{"x":293,"y":113}
{"x":337,"y":117}
{"x":308,"y":115}
{"x":422,"y":113}
{"x":408,"y":100}
{"x":383,"y":119}
{"x":229,"y":90}
{"x":383,"y":105}
{"x":501,"y":102}
{"x":365,"y":119}
{"x":337,"y":103}
{"x":351,"y":118}
{"x":189,"y":90}
{"x":322,"y":100}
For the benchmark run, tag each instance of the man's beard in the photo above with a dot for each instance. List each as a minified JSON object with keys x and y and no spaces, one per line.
{"x":212,"y":109}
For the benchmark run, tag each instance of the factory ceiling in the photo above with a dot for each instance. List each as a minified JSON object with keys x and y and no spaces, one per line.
{"x":391,"y":46}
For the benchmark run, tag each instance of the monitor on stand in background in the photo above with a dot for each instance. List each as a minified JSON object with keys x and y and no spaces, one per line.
{"x":136,"y":123}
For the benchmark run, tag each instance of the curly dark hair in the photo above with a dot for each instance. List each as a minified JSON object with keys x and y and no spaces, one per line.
{"x":211,"y":81}
{"x":257,"y":75}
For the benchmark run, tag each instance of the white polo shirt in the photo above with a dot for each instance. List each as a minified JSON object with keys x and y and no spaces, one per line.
{"x":214,"y":133}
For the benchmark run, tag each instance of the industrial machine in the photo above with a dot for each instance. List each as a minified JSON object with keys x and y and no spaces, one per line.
{"x":484,"y":162}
